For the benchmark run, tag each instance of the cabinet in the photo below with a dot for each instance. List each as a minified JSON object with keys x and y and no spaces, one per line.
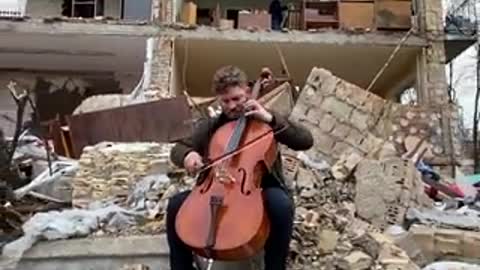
{"x":319,"y":14}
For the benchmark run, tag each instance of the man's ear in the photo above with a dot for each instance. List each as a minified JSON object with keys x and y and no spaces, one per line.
{"x":249,"y":90}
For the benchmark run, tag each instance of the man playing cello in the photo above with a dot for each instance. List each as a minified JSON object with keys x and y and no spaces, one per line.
{"x":234,"y":96}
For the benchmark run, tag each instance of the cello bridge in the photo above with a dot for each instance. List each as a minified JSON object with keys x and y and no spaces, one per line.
{"x":223,"y":176}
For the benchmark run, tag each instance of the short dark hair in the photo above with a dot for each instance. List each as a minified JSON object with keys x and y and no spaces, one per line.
{"x":228,"y":76}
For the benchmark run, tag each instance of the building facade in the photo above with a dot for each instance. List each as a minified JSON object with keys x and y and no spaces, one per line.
{"x":67,"y":50}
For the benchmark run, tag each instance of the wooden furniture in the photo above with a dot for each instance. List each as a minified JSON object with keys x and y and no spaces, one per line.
{"x":355,"y":14}
{"x":319,"y":14}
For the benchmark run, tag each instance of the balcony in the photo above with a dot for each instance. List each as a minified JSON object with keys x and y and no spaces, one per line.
{"x":130,"y":10}
{"x":460,"y":27}
{"x":300,"y":15}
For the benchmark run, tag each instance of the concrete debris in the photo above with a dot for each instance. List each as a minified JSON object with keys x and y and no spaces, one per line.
{"x":356,"y":214}
{"x":327,"y":233}
{"x":65,"y":224}
{"x":327,"y":241}
{"x":135,"y":267}
{"x":438,"y":243}
{"x":386,"y":189}
{"x":356,"y":260}
{"x":110,"y":170}
{"x":446,"y":219}
{"x":345,"y":165}
{"x":404,"y":240}
{"x":450,"y":265}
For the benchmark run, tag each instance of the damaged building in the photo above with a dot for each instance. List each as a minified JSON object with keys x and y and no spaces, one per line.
{"x":341,"y":69}
{"x":66,"y":51}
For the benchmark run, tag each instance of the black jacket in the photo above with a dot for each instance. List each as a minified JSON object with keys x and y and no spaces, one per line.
{"x":295,"y":137}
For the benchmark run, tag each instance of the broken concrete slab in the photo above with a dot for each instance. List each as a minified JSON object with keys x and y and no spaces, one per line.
{"x":386,"y":189}
{"x":445,"y":219}
{"x":439,"y":243}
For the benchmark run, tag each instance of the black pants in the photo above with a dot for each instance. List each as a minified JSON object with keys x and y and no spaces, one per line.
{"x":280,"y":211}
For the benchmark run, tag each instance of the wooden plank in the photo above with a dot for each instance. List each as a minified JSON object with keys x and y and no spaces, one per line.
{"x":166,"y":120}
{"x":356,"y":15}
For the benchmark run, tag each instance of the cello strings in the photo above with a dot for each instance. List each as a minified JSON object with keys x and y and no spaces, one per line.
{"x":239,"y":150}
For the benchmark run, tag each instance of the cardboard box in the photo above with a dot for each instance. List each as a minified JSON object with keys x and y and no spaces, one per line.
{"x":393,"y":14}
{"x":356,"y":15}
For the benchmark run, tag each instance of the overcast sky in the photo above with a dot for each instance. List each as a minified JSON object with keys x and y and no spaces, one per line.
{"x":8,"y":3}
{"x":464,"y":78}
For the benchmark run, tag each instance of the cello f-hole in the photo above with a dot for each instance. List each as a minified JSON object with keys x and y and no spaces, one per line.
{"x":244,"y":180}
{"x":206,"y":186}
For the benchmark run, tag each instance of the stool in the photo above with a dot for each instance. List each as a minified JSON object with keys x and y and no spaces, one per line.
{"x":253,"y":263}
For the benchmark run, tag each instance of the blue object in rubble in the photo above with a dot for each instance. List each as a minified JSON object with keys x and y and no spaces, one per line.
{"x":427,"y":170}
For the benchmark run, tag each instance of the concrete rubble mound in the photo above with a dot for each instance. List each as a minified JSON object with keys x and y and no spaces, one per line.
{"x":341,"y":213}
{"x":355,"y":192}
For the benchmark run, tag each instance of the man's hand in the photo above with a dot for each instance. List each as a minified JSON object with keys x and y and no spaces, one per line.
{"x":192,"y":162}
{"x":255,"y":109}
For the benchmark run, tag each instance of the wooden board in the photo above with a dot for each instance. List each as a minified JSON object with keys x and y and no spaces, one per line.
{"x":166,"y":120}
{"x":260,"y":21}
{"x":393,"y":14}
{"x":356,"y":15}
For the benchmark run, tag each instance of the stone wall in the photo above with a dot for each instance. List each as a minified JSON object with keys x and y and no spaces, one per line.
{"x":433,"y":87}
{"x":344,"y":118}
{"x":410,"y":124}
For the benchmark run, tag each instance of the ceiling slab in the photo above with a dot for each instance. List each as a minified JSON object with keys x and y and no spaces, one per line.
{"x":72,"y":53}
{"x":357,"y":64}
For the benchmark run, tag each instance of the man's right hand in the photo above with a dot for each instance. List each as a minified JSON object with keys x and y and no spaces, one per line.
{"x":193,"y":162}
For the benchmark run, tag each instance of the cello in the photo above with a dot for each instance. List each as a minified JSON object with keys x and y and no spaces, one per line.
{"x":223,"y":218}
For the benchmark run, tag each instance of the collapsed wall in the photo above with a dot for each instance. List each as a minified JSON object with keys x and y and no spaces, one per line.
{"x":347,"y":119}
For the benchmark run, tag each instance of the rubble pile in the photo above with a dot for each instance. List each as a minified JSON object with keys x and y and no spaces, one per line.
{"x":343,"y":211}
{"x":328,"y":233}
{"x":357,"y":191}
{"x":110,"y":170}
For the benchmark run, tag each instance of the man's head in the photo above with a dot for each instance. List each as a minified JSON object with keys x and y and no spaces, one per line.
{"x":230,"y":85}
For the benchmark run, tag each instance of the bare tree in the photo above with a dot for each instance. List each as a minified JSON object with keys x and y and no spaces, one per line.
{"x":476,"y":116}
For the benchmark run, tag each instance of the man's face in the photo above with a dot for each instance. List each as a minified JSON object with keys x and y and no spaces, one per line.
{"x":232,"y":100}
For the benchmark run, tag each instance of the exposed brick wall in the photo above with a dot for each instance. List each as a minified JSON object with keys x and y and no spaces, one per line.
{"x":433,"y":92}
{"x":162,"y":11}
{"x":411,"y":123}
{"x":161,"y":67}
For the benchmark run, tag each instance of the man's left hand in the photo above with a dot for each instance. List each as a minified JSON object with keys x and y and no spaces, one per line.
{"x":255,"y":109}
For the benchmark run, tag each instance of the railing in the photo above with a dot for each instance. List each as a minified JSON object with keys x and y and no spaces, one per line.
{"x":461,"y":17}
